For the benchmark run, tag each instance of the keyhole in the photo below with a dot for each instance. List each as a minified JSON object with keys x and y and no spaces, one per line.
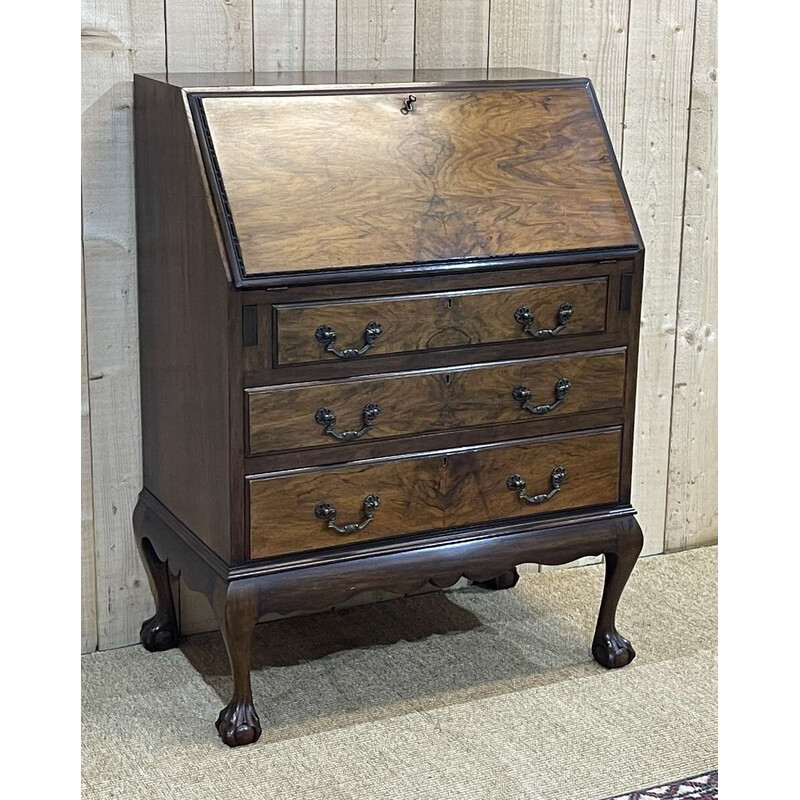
{"x":408,"y":104}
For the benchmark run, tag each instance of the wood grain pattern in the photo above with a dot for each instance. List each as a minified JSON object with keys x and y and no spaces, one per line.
{"x":209,"y":35}
{"x":467,"y":174}
{"x":572,"y":37}
{"x":451,"y":34}
{"x":183,"y":323}
{"x":430,"y":492}
{"x":654,"y":167}
{"x":117,"y":37}
{"x":476,"y":556}
{"x":440,"y":319}
{"x":134,"y":33}
{"x":88,"y":588}
{"x":692,"y":489}
{"x":375,"y":35}
{"x":291,"y":36}
{"x":282,"y":417}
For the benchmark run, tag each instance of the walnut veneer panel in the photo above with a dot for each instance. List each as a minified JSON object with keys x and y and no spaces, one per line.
{"x":283,"y":417}
{"x":441,"y":319}
{"x":430,"y":492}
{"x":321,"y":181}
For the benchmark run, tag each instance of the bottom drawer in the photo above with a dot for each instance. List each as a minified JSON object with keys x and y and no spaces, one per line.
{"x":296,"y":511}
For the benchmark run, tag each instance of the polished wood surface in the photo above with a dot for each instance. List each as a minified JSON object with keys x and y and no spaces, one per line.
{"x":283,"y":417}
{"x":430,"y":492}
{"x":238,"y":470}
{"x":439,"y":319}
{"x":324,"y":582}
{"x":183,"y":324}
{"x":333,"y":180}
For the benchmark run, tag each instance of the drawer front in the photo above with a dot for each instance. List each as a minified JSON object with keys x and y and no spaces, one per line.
{"x":330,"y":413}
{"x":443,"y":319}
{"x":292,"y":512}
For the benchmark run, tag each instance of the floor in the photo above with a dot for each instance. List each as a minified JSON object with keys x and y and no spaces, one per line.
{"x":463,"y":694}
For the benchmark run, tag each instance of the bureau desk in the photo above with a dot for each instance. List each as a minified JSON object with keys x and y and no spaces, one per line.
{"x":388,"y":337}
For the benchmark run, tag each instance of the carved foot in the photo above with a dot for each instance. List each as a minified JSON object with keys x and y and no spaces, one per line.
{"x":238,"y":724}
{"x":612,"y":650}
{"x":505,"y":580}
{"x":158,"y":633}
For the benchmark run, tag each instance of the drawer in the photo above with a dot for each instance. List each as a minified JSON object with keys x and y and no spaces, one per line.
{"x":325,"y":414}
{"x":363,"y":328}
{"x":295,"y":511}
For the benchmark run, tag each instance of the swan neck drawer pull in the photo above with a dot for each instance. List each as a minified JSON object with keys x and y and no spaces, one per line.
{"x":524,"y":317}
{"x":523,"y":395}
{"x":516,"y":483}
{"x":327,"y":336}
{"x":326,"y":511}
{"x":326,"y":417}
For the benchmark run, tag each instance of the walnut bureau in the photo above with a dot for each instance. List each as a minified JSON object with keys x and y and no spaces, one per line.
{"x":388,"y":336}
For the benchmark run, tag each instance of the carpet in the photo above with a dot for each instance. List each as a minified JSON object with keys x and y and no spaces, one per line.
{"x":462,"y":694}
{"x":698,"y":787}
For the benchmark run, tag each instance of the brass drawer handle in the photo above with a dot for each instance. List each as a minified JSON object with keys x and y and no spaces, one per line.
{"x":327,"y":512}
{"x":327,"y":336}
{"x":516,"y":483}
{"x":522,"y":394}
{"x":408,"y":104}
{"x":524,"y":317}
{"x":326,"y":417}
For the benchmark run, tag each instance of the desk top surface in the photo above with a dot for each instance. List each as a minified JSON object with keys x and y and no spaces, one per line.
{"x":257,"y":80}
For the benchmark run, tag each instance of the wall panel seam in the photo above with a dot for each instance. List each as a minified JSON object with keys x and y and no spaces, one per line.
{"x":680,"y":272}
{"x":89,"y":426}
{"x":489,"y":39}
{"x":625,"y":84}
{"x":166,"y":40}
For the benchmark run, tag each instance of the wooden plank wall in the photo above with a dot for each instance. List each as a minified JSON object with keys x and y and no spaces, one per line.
{"x":654,"y":68}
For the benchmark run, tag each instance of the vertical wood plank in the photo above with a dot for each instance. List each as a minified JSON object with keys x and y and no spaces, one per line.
{"x":209,"y":35}
{"x":88,"y":588}
{"x":375,"y":35}
{"x":692,"y":489}
{"x":575,"y":37}
{"x":294,"y":35}
{"x":452,"y":34}
{"x":117,"y":38}
{"x":654,"y":166}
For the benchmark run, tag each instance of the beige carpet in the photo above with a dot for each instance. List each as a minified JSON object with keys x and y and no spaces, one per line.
{"x":467,"y":694}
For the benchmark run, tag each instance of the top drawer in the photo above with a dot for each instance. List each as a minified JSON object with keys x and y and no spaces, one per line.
{"x":348,"y":329}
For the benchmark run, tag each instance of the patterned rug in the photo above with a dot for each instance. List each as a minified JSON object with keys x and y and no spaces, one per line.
{"x":700,"y":787}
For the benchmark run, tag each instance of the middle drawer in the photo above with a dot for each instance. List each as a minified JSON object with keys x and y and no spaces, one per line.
{"x":324,"y":413}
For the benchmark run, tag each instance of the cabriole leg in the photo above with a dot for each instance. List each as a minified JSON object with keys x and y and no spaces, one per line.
{"x":237,"y":614}
{"x":161,"y":631}
{"x":609,"y":647}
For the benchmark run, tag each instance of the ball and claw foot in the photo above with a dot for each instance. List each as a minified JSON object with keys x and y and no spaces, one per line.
{"x":238,"y":724}
{"x":612,"y":650}
{"x":158,"y":634}
{"x":505,"y":580}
